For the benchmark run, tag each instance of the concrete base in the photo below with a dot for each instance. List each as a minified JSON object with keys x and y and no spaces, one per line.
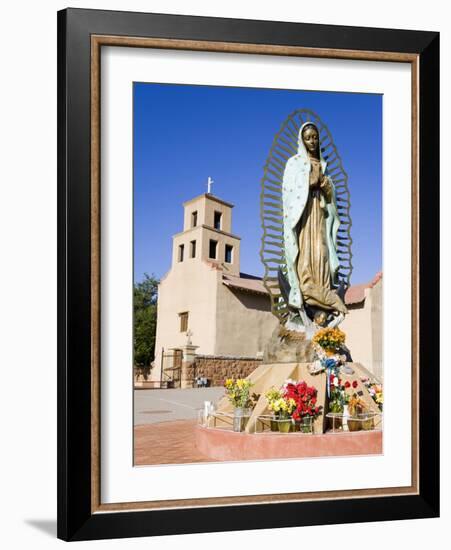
{"x":228,"y":445}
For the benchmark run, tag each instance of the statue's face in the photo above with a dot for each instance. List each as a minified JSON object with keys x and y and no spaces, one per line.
{"x":311,"y":140}
{"x":320,"y":318}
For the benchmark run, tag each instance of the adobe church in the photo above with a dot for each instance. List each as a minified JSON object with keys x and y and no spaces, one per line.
{"x":204,"y":295}
{"x":208,"y":309}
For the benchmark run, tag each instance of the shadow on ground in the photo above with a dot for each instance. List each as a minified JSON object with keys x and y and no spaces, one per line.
{"x":47,"y":526}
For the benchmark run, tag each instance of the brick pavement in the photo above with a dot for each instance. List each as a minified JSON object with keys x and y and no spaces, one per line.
{"x":167,"y":443}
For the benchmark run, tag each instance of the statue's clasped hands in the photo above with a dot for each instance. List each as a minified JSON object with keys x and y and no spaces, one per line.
{"x":325,"y":187}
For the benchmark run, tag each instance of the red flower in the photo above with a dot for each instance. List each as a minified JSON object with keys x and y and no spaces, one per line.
{"x":347,"y":384}
{"x":354,"y":384}
{"x":304,"y":397}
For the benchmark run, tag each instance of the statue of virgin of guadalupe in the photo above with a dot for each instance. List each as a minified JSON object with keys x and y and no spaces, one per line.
{"x":310,"y":225}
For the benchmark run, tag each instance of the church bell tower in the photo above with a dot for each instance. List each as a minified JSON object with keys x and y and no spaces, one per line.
{"x":207,"y":235}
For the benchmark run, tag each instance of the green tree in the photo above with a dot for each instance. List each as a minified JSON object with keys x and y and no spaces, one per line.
{"x":145,"y":321}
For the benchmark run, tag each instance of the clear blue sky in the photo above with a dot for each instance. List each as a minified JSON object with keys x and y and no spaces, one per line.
{"x":183,"y":134}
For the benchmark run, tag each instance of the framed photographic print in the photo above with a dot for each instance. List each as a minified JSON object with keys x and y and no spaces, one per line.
{"x":248,"y":274}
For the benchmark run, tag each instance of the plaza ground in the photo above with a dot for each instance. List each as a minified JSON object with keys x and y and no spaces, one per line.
{"x":164,"y":424}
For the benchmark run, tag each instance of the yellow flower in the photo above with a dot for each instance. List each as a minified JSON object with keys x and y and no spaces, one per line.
{"x":275,"y":405}
{"x":329,"y":337}
{"x":273,"y":394}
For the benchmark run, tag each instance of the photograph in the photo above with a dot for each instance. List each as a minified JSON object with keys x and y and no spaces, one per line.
{"x":248,"y":268}
{"x":235,"y":225}
{"x":257,"y":273}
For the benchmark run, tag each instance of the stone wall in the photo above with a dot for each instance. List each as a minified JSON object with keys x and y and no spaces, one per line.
{"x":217,"y":368}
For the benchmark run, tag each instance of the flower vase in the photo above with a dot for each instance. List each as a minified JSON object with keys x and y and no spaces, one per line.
{"x":306,"y":426}
{"x":284,"y":425}
{"x":345,"y":417}
{"x":354,"y":422}
{"x":240,"y":419}
{"x":367,"y":422}
{"x":274,"y":425}
{"x":335,"y":423}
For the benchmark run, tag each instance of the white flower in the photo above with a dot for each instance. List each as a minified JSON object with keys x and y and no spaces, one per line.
{"x":336,"y":382}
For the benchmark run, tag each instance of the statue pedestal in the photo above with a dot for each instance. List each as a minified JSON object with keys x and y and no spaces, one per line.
{"x":221,"y":443}
{"x":228,"y":445}
{"x":271,"y":375}
{"x":287,"y":346}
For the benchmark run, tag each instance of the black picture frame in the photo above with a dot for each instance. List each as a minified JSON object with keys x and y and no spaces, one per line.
{"x":76,"y":518}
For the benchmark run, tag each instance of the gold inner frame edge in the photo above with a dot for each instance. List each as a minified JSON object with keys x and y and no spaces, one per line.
{"x":97,"y":41}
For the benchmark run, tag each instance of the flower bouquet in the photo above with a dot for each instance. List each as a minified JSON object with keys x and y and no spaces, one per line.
{"x":356,"y":407}
{"x":283,"y":407}
{"x":329,"y":339}
{"x":336,"y":422}
{"x":376,"y":392}
{"x":338,"y":399}
{"x":238,"y":393}
{"x":272,"y":396}
{"x":293,"y":406}
{"x":305,"y":398}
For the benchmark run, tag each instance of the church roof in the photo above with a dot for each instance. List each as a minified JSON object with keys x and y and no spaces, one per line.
{"x":356,"y":294}
{"x":211,"y":197}
{"x":249,"y":283}
{"x":245,"y":282}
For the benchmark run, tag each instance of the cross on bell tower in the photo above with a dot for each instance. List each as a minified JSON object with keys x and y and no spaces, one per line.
{"x":209,"y":184}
